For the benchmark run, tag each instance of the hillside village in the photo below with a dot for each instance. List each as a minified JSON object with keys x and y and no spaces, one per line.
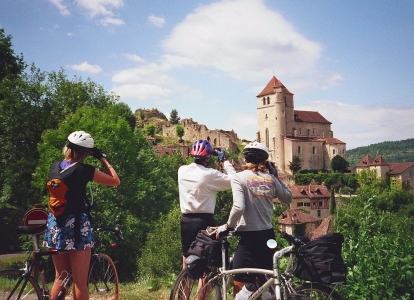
{"x":287,"y":133}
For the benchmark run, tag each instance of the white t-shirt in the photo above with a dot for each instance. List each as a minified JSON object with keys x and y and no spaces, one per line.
{"x":198,"y":186}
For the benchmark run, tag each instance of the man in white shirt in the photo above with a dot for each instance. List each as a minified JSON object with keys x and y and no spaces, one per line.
{"x":198,"y":186}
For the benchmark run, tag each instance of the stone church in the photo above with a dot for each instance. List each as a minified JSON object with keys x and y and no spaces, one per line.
{"x":288,"y":132}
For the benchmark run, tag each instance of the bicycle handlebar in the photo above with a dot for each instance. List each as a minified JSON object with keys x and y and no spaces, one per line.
{"x":291,"y":239}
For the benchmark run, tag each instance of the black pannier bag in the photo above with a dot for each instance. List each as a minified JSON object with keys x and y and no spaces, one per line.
{"x":320,"y":260}
{"x":195,"y":267}
{"x":207,"y":248}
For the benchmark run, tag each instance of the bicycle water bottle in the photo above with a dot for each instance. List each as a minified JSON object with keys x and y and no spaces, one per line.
{"x":64,"y":285}
{"x":246,"y":291}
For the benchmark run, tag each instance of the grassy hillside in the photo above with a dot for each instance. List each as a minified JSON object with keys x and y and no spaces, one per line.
{"x":397,"y":151}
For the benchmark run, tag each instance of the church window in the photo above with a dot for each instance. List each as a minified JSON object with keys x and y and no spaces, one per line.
{"x":298,"y":149}
{"x":333,"y":151}
{"x":319,"y":213}
{"x":266,"y":116}
{"x":268,"y":100}
{"x":300,"y":130}
{"x":264,"y":101}
{"x":313,"y":150}
{"x":314,"y":131}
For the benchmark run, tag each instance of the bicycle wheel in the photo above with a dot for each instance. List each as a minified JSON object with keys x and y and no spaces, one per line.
{"x":186,"y":288}
{"x":315,"y":291}
{"x":11,"y":284}
{"x":103,"y":278}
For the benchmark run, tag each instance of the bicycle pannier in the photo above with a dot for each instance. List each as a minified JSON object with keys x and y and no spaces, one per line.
{"x":195,"y":266}
{"x":207,"y":248}
{"x":320,"y":260}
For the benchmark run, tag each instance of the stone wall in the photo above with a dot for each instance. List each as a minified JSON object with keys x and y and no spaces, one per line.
{"x":194,"y":131}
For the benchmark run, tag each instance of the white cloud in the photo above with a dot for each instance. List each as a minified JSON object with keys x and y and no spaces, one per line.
{"x":141,"y":91}
{"x":100,"y":7}
{"x":134,"y":57}
{"x":232,"y":37}
{"x":111,"y":21}
{"x":86,"y":67}
{"x":70,"y":34}
{"x":156,"y":21}
{"x":63,"y":10}
{"x":359,"y":125}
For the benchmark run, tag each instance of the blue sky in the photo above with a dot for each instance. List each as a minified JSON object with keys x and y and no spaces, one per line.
{"x":352,"y":61}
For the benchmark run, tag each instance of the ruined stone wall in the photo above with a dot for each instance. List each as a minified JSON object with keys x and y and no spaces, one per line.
{"x":194,"y":131}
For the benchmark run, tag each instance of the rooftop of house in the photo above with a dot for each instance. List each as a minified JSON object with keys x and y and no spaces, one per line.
{"x":295,"y":216}
{"x":311,"y":191}
{"x":394,"y":168}
{"x":309,"y":117}
{"x":398,"y":168}
{"x":270,"y":87}
{"x":324,"y":228}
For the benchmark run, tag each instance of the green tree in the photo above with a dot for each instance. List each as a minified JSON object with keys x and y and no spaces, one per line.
{"x":174,"y":118}
{"x":339,"y":163}
{"x":151,"y":129}
{"x":142,"y":117}
{"x":332,"y":202}
{"x":295,"y":165}
{"x":179,"y":129}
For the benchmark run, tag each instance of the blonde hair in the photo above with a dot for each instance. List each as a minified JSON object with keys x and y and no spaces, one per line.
{"x":260,"y":167}
{"x":73,"y":155}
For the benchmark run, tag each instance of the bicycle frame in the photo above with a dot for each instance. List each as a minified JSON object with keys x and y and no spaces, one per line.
{"x":274,"y":275}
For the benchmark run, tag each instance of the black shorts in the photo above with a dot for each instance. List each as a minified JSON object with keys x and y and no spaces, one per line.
{"x":252,"y":252}
{"x":191,"y":224}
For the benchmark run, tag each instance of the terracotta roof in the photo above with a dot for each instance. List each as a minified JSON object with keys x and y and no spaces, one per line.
{"x":324,"y":228}
{"x":270,"y":87}
{"x":398,"y":168}
{"x":311,"y":191}
{"x":163,"y":150}
{"x":333,"y":141}
{"x":295,"y":216}
{"x":366,"y":161}
{"x":309,"y":117}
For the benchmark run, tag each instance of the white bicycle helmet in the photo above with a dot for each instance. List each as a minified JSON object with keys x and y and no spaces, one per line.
{"x":255,"y":152}
{"x":80,"y":139}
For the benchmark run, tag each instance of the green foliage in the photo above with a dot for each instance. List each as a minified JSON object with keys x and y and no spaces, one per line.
{"x":151,"y":129}
{"x":339,"y":163}
{"x":295,"y":165}
{"x":174,"y":118}
{"x":378,"y":230}
{"x":396,"y":151}
{"x":179,"y":129}
{"x":161,"y":254}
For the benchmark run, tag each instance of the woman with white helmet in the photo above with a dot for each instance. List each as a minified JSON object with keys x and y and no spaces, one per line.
{"x":251,"y":215}
{"x":71,"y":230}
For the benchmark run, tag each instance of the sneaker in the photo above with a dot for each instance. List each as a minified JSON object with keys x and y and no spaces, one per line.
{"x":243,"y":294}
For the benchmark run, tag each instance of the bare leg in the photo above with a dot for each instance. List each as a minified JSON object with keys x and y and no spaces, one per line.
{"x":62,"y":264}
{"x":80,"y":260}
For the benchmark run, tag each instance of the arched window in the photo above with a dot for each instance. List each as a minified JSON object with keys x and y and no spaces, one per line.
{"x":267,"y":138}
{"x":264,"y":101}
{"x":298,"y":149}
{"x":313,"y":150}
{"x":268,"y":100}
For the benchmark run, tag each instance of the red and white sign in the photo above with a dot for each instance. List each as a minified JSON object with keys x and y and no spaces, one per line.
{"x":35,"y":217}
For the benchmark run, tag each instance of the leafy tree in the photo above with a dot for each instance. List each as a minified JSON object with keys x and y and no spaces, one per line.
{"x":11,"y":65}
{"x":142,"y":117}
{"x":339,"y":163}
{"x":151,"y":129}
{"x":295,"y":165}
{"x":174,"y":118}
{"x":179,"y":129}
{"x":332,"y":203}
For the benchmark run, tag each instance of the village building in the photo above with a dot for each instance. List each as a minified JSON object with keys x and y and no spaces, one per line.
{"x":297,"y":223}
{"x":401,"y":173}
{"x":288,"y":132}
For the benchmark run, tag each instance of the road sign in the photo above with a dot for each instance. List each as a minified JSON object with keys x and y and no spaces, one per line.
{"x":35,"y":217}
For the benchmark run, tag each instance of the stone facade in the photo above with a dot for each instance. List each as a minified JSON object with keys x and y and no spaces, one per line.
{"x":398,"y":173}
{"x":288,"y":132}
{"x":194,"y":131}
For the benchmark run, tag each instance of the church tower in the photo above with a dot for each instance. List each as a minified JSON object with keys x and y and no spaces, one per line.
{"x":274,"y":111}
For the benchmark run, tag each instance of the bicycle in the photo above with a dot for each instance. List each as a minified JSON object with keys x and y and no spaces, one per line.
{"x":277,"y":285}
{"x":24,"y":284}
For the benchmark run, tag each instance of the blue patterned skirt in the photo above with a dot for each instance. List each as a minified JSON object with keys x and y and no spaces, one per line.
{"x":60,"y":233}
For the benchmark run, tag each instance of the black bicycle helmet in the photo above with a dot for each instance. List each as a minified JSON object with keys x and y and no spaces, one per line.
{"x":255,"y":152}
{"x":201,"y":149}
